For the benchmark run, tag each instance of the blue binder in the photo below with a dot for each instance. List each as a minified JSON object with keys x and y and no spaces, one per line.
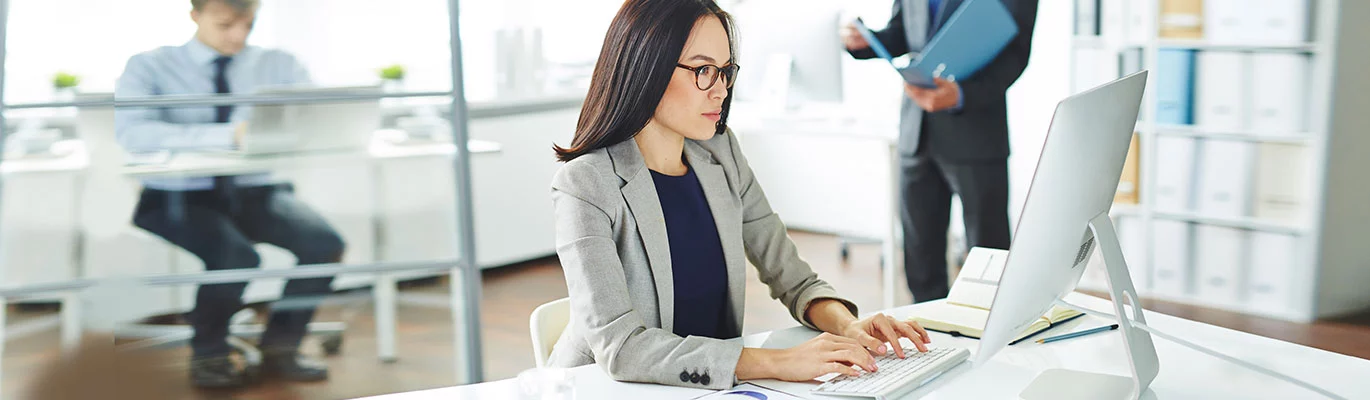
{"x":1175,"y":87}
{"x":970,"y":39}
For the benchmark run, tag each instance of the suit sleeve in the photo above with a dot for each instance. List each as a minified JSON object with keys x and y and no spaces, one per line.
{"x":893,"y":37}
{"x":770,"y":249}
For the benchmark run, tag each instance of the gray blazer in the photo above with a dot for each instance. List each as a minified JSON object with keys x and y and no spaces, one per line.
{"x":611,"y":238}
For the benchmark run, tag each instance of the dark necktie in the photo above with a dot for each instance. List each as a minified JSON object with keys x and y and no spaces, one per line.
{"x":933,"y":7}
{"x":223,"y":185}
{"x":221,"y":112}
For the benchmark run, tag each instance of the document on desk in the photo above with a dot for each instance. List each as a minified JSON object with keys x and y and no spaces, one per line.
{"x":965,"y":311}
{"x":971,"y":38}
{"x":748,"y":391}
{"x":148,"y":158}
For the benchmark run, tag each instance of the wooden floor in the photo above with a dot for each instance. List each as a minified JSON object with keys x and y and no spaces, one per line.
{"x":509,"y":295}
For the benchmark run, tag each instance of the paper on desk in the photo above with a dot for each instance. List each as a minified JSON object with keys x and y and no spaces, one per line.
{"x":748,"y":391}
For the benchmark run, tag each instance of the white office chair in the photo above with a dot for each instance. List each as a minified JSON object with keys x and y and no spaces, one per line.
{"x":546,"y":325}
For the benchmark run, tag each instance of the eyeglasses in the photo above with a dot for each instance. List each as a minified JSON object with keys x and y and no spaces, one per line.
{"x":707,"y":75}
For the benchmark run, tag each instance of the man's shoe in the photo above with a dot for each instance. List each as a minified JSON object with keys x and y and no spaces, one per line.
{"x":216,"y":373}
{"x":292,"y":366}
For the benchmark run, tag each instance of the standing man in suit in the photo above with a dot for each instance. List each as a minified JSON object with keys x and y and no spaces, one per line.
{"x":952,"y":139}
{"x":221,"y":218}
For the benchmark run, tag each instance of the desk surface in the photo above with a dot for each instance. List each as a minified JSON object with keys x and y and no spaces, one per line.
{"x":1185,"y":373}
{"x":197,"y":164}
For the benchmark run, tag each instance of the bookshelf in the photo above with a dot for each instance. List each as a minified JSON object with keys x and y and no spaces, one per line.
{"x":1290,"y":243}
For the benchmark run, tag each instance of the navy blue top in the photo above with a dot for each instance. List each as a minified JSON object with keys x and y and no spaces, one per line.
{"x":697,"y":265}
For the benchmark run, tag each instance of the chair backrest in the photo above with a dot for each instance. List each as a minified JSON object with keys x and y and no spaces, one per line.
{"x":546,"y":325}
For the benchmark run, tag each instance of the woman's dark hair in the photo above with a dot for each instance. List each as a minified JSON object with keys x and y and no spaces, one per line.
{"x":635,"y":66}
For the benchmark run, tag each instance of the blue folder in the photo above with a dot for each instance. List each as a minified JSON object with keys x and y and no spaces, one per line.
{"x":1175,"y":86}
{"x":970,"y":39}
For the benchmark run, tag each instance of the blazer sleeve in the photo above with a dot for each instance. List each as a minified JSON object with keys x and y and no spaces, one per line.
{"x":770,"y":249}
{"x":893,"y":37}
{"x":988,"y":87}
{"x":621,"y":343}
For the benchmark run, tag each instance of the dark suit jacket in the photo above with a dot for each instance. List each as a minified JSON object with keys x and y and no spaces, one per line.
{"x":979,"y":131}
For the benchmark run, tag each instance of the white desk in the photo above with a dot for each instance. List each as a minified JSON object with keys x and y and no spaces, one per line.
{"x":206,"y":164}
{"x":1185,"y":374}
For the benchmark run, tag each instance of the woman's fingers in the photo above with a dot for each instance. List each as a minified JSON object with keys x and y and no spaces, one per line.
{"x":840,"y":368}
{"x":875,"y":345}
{"x":856,"y":355}
{"x":918,"y":339}
{"x":921,"y":332}
{"x":882,"y":324}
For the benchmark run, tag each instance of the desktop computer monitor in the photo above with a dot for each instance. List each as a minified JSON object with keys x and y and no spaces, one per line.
{"x":1068,"y":202}
{"x":805,"y":32}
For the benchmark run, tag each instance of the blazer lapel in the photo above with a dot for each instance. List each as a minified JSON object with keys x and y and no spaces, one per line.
{"x":640,"y":193}
{"x":916,"y":23}
{"x":727,"y":214}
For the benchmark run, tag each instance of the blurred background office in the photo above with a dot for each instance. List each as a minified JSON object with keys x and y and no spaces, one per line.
{"x":1242,"y":205}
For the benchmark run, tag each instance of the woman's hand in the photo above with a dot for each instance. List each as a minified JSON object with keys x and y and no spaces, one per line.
{"x":874,"y":331}
{"x":822,"y":355}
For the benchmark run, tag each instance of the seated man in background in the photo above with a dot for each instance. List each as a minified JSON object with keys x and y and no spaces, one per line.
{"x":220,"y":218}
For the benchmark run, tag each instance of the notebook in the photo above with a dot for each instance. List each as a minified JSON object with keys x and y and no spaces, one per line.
{"x":972,"y":37}
{"x":966,"y":309}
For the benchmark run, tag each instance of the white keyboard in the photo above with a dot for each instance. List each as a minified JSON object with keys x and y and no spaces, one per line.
{"x":895,"y":376}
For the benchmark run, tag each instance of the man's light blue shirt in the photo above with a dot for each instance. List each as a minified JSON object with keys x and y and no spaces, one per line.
{"x":189,"y":70}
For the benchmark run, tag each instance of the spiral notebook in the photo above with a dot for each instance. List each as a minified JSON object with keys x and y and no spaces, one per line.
{"x":966,"y":309}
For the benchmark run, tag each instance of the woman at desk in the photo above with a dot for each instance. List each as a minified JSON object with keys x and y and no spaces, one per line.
{"x":656,"y":209}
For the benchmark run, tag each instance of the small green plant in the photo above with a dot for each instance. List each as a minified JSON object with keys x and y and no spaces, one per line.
{"x":63,"y":80}
{"x":393,"y":72}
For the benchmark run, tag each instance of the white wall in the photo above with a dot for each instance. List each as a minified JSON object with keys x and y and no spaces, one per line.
{"x":340,"y":41}
{"x":1345,"y":264}
{"x":1032,"y":100}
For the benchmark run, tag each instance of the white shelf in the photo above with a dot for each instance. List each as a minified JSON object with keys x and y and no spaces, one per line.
{"x":1248,"y":136}
{"x":1326,"y":260}
{"x":1198,"y":44}
{"x":1090,"y":42}
{"x":1126,"y":210}
{"x":1247,"y":223}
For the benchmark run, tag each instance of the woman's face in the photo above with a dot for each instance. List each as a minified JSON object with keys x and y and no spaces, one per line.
{"x":685,"y":109}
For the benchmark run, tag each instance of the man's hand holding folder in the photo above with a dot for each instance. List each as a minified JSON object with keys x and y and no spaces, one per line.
{"x":946,"y":95}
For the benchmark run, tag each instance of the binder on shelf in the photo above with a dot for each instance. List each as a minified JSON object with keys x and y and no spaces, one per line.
{"x":1228,"y":21}
{"x":1129,"y":185}
{"x":1170,"y":267}
{"x":1132,"y":237}
{"x":1131,"y":60}
{"x":1282,"y":190}
{"x":1225,"y":175}
{"x":1093,"y":67}
{"x":1279,"y":92}
{"x":1141,"y":21}
{"x":1272,"y":270}
{"x":1181,"y":19}
{"x":1218,"y":264}
{"x":1255,"y":21}
{"x":1087,"y":18}
{"x":1175,"y":86}
{"x":1220,"y":96}
{"x":1279,"y":21}
{"x":1174,"y":171}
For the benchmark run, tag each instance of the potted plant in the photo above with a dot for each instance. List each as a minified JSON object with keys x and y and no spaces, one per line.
{"x":64,"y":86}
{"x":392,"y":77}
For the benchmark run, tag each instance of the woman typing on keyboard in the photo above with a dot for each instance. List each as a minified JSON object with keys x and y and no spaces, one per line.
{"x":657,"y":213}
